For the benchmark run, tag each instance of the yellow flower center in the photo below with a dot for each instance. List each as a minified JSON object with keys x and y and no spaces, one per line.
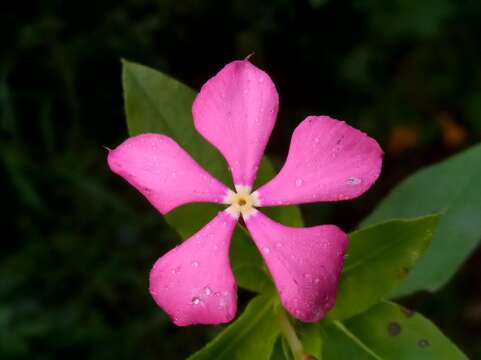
{"x":241,"y":202}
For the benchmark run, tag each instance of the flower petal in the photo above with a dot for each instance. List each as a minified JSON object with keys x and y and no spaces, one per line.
{"x":236,"y":111}
{"x":164,"y":173}
{"x":328,"y":160}
{"x":193,"y":283}
{"x":305,"y":263}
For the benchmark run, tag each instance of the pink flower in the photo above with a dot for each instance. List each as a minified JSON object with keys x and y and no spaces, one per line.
{"x":328,"y":161}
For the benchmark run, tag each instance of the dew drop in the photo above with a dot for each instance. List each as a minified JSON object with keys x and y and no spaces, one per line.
{"x":423,"y":343}
{"x":318,"y":313}
{"x":266,"y":250}
{"x":207,"y":291}
{"x":317,"y":280}
{"x":307,"y":276}
{"x":195,"y":264}
{"x":195,"y":301}
{"x":353,"y":180}
{"x":299,"y":182}
{"x":278,"y":245}
{"x":316,"y":140}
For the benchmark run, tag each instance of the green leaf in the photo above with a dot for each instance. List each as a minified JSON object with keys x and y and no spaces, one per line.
{"x":247,"y":264}
{"x":388,"y":331}
{"x":378,"y":258}
{"x":157,"y":103}
{"x":310,"y":336}
{"x":342,"y":344}
{"x":251,"y":336}
{"x":451,"y":187}
{"x":280,"y":352}
{"x":154,"y":102}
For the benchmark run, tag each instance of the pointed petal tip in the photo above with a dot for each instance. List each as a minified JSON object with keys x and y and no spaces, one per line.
{"x":193,"y":283}
{"x":305,"y":264}
{"x":247,"y":58}
{"x":164,"y":173}
{"x":328,"y":160}
{"x":235,"y":111}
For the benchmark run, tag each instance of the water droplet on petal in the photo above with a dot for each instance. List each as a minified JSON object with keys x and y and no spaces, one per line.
{"x":195,"y":264}
{"x":195,"y":301}
{"x":207,"y":291}
{"x":266,"y":250}
{"x":307,"y":276}
{"x":316,"y":280}
{"x":316,"y":140}
{"x":176,"y":270}
{"x":353,"y":180}
{"x":278,"y":245}
{"x":299,"y":182}
{"x":318,"y":312}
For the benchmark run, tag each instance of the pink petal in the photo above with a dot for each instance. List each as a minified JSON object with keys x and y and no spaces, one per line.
{"x":236,"y":111}
{"x":305,"y":263}
{"x":193,"y":283}
{"x":328,"y":160}
{"x":164,"y":173}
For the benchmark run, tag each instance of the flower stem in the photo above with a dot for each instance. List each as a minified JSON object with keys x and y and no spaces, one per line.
{"x":290,"y":334}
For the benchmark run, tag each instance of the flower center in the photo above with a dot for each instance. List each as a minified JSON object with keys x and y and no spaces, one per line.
{"x":241,"y":202}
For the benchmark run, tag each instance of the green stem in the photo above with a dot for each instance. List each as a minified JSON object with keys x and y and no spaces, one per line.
{"x":290,"y":334}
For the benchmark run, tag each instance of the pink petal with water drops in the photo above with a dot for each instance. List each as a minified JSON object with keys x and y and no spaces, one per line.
{"x":164,"y":173}
{"x":193,"y":283}
{"x":236,"y":111}
{"x":305,"y":263}
{"x":328,"y":160}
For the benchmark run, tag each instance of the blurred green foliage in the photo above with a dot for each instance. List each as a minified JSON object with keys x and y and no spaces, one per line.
{"x":78,"y":242}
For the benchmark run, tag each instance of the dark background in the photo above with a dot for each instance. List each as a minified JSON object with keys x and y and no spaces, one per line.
{"x":78,"y":243}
